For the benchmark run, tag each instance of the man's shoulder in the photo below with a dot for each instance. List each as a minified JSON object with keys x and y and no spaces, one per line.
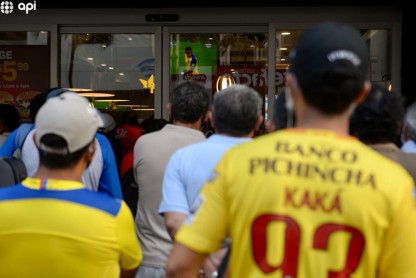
{"x":409,"y":147}
{"x":191,"y":149}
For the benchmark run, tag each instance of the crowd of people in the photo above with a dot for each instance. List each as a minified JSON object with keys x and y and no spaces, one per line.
{"x":327,"y":192}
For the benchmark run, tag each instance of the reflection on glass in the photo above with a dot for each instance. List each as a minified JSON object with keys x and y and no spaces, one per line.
{"x":224,"y":81}
{"x":379,"y":43}
{"x":24,"y":38}
{"x":242,"y":56}
{"x":108,"y":63}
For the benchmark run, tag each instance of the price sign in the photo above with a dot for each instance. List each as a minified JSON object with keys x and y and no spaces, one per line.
{"x":24,"y":68}
{"x":9,"y":69}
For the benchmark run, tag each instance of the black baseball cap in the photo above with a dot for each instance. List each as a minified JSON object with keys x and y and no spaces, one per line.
{"x":329,"y":49}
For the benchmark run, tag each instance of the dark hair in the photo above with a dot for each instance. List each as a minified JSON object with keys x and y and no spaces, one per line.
{"x":378,"y":119}
{"x":59,"y":161}
{"x":129,"y":117}
{"x":151,"y":125}
{"x":330,"y":62}
{"x":188,"y":48}
{"x":236,"y":110}
{"x":10,"y":116}
{"x":333,"y":92}
{"x":189,"y":102}
{"x":41,"y":98}
{"x":35,"y":105}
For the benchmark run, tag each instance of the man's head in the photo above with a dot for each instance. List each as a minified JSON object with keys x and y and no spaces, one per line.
{"x":188,"y":51}
{"x":189,"y":102}
{"x":377,"y":119}
{"x":9,"y":118}
{"x":65,"y":128}
{"x":330,"y":64}
{"x":237,"y":110}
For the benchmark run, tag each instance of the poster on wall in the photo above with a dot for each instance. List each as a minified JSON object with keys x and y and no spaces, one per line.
{"x":24,"y":73}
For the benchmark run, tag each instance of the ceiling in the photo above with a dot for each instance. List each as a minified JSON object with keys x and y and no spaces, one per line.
{"x":78,"y":4}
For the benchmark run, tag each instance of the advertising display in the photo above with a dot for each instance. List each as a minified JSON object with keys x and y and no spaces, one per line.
{"x":193,"y":60}
{"x":24,"y":72}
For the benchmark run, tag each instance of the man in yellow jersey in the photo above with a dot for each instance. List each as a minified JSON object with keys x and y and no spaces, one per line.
{"x":51,"y":225}
{"x":308,"y":201}
{"x":190,"y":61}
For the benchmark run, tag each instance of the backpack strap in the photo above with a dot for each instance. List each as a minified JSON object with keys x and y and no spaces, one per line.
{"x":22,"y":133}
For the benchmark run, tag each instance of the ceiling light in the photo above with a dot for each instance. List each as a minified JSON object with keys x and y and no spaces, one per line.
{"x":79,"y":89}
{"x":94,"y":94}
{"x":112,"y":100}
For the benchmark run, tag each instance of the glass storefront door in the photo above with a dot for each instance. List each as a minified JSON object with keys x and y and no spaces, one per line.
{"x":213,"y":57}
{"x":137,"y":67}
{"x":246,"y":55}
{"x":115,"y":69}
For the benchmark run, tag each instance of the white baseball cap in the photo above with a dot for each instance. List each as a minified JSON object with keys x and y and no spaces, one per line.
{"x":69,"y":116}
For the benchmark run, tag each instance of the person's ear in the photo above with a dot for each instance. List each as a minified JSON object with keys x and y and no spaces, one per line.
{"x":257,"y":126}
{"x":169,"y":109}
{"x":291,"y":87}
{"x":363,"y":92}
{"x":91,"y":148}
{"x":259,"y":122}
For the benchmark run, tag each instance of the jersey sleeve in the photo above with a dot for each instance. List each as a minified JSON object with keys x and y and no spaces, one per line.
{"x":131,"y":253}
{"x":399,"y":250}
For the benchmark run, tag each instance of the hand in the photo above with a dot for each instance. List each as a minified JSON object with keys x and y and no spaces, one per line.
{"x":211,"y":264}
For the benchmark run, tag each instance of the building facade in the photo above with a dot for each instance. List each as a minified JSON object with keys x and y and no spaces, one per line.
{"x":129,"y":57}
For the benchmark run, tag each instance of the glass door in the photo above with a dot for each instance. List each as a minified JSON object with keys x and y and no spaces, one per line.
{"x":214,"y":56}
{"x":115,"y":67}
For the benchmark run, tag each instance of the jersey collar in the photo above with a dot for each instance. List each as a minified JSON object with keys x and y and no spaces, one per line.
{"x":51,"y":184}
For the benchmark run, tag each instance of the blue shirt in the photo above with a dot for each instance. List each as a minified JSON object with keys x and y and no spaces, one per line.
{"x":109,"y":181}
{"x":407,"y":147}
{"x":189,"y":168}
{"x":15,"y":139}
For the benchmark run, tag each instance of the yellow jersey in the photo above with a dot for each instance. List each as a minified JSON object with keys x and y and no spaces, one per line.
{"x":190,"y":63}
{"x":307,"y":203}
{"x":58,"y":228}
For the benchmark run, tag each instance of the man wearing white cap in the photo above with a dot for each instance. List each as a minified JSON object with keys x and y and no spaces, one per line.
{"x":50,"y":223}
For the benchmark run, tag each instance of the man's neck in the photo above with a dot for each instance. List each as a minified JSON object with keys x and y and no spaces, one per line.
{"x":194,"y":125}
{"x":61,"y":174}
{"x":312,"y":118}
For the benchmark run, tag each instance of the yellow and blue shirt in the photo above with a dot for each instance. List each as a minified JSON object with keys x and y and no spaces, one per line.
{"x":58,"y":228}
{"x":190,"y":63}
